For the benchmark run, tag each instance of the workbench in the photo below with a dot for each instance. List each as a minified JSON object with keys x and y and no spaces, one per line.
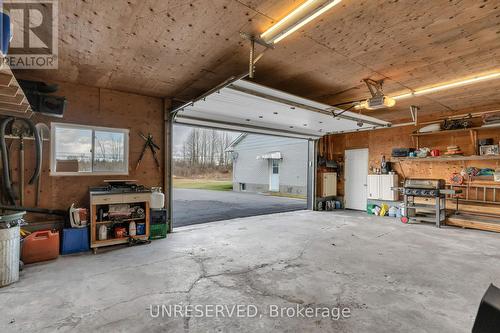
{"x":102,"y":200}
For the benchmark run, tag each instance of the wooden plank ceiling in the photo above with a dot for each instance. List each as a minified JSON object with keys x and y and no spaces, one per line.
{"x":172,"y":48}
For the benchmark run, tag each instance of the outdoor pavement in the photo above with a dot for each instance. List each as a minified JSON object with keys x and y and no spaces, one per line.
{"x":200,"y":206}
{"x":393,"y":277}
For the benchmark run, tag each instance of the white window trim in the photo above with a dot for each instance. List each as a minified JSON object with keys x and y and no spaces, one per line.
{"x":87,"y":127}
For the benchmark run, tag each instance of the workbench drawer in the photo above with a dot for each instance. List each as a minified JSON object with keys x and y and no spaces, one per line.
{"x":106,"y":199}
{"x":136,"y":197}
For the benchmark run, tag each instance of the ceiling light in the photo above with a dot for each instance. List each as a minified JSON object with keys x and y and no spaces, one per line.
{"x":446,"y":86}
{"x":302,"y":15}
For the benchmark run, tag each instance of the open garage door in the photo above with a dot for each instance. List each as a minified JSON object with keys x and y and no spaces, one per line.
{"x":245,"y":106}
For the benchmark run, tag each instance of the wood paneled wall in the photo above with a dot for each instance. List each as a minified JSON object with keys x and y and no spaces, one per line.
{"x":381,"y":142}
{"x":99,"y":107}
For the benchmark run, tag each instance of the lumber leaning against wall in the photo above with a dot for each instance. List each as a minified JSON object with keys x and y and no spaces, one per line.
{"x":98,"y":107}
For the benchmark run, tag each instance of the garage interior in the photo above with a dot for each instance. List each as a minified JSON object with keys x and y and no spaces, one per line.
{"x":398,"y":101}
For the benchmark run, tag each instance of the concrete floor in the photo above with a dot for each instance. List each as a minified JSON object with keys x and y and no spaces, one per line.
{"x":193,"y":206}
{"x":393,"y":277}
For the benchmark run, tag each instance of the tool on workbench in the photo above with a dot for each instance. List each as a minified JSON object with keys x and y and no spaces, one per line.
{"x":152,"y":146}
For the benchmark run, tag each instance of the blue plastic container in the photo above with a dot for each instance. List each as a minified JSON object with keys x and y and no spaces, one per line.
{"x":75,"y":240}
{"x":141,"y":229}
{"x":5,"y":33}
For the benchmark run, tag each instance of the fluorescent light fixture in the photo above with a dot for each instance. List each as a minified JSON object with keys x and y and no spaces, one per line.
{"x":302,"y":15}
{"x":446,"y":86}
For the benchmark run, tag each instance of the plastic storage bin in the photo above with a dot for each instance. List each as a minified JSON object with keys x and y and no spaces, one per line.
{"x":75,"y":240}
{"x":9,"y":255}
{"x":158,"y":231}
{"x":40,"y":246}
{"x":158,"y":216}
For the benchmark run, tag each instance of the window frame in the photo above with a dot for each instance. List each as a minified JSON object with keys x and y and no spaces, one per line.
{"x":54,"y":172}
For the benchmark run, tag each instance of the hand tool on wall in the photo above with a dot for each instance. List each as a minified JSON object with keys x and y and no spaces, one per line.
{"x":6,"y":178}
{"x":152,"y":146}
{"x":21,"y":167}
{"x":44,"y":134}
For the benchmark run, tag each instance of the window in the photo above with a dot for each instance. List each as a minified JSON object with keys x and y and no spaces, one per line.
{"x":88,"y":150}
{"x":243,"y":187}
{"x":276,"y":167}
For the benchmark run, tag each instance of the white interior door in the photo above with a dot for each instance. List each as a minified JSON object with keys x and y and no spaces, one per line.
{"x":274,"y":182}
{"x":356,"y":174}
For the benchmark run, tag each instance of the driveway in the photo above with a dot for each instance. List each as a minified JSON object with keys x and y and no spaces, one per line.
{"x":201,"y":206}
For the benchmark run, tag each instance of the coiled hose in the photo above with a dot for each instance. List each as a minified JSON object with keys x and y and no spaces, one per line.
{"x":5,"y":157}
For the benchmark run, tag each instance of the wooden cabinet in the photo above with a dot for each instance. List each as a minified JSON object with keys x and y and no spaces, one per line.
{"x":99,"y":200}
{"x":327,"y":184}
{"x":380,"y":187}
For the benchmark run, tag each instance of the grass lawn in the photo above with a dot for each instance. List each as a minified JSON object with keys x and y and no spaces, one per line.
{"x":287,"y":195}
{"x":203,"y":184}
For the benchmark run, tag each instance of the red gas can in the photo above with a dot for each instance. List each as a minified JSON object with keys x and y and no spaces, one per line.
{"x":40,"y":246}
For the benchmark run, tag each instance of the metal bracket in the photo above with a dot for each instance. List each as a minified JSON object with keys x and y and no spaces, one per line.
{"x":254,"y":59}
{"x":375,"y":87}
{"x":414,"y":114}
{"x":257,"y":40}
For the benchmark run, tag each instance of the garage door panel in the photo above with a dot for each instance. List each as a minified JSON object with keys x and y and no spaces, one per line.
{"x":249,"y":107}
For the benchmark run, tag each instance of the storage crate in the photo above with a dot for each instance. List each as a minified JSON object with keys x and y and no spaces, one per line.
{"x":75,"y":240}
{"x":158,"y":231}
{"x":158,"y":216}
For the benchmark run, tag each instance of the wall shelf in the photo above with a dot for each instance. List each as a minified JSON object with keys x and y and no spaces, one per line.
{"x":456,"y":130}
{"x":473,"y":131}
{"x":447,"y":158}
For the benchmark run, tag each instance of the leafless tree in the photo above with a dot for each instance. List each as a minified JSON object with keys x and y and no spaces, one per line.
{"x":205,"y":149}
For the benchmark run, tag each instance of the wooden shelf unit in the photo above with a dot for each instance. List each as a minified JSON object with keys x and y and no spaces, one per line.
{"x":13,"y":101}
{"x":456,"y":130}
{"x":103,"y":199}
{"x":447,"y":158}
{"x":472,"y":132}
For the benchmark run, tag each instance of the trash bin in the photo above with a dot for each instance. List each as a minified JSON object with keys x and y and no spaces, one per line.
{"x":9,"y":255}
{"x":10,"y":246}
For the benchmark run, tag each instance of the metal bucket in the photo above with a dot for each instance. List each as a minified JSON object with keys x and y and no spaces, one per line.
{"x":9,"y":255}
